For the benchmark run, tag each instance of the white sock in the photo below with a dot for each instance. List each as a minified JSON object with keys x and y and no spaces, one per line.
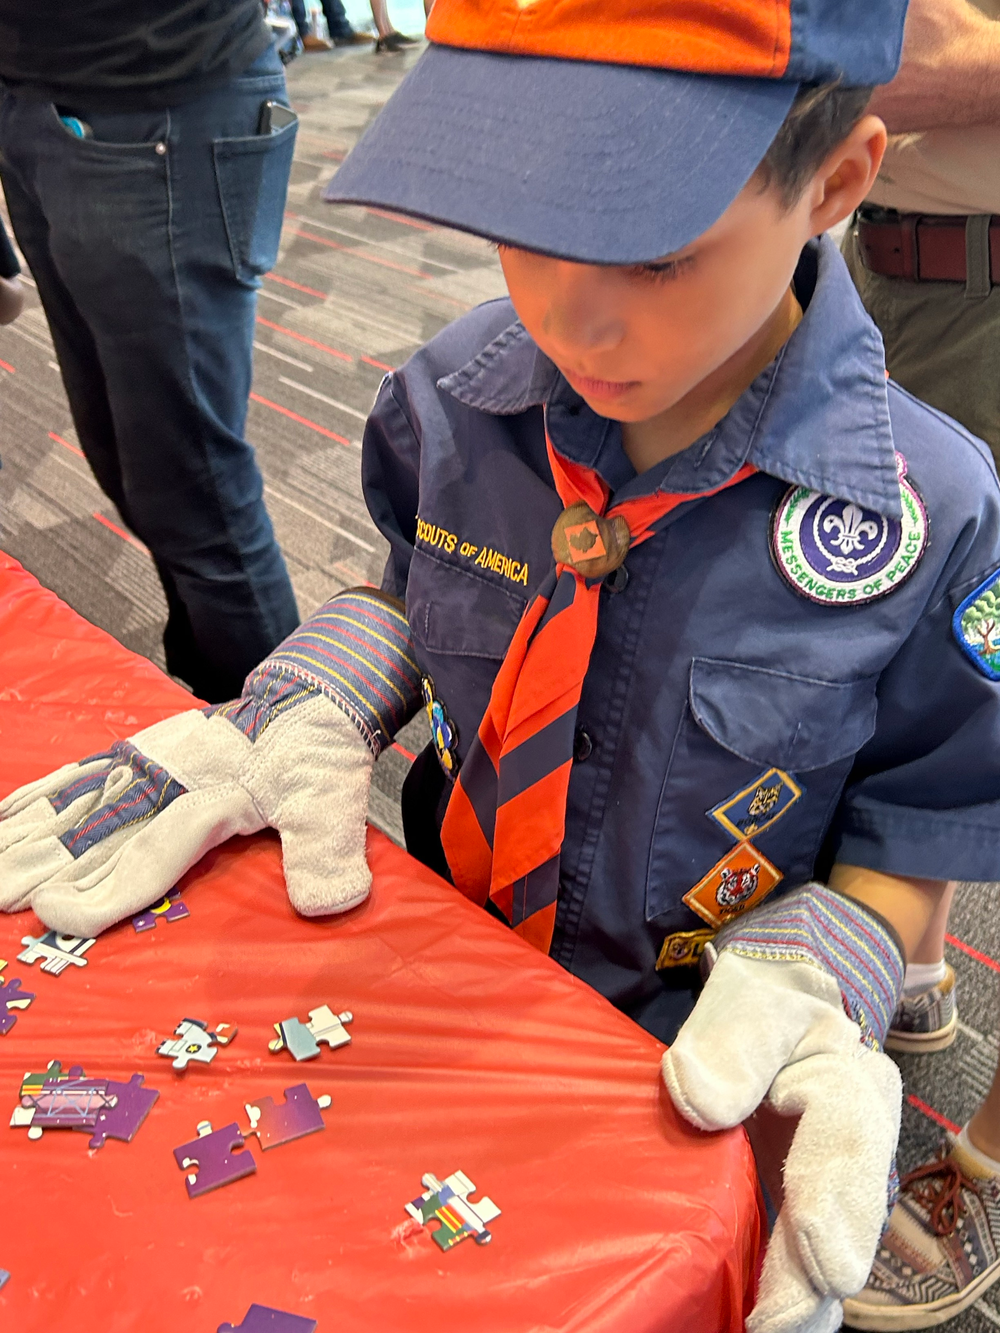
{"x":922,"y":976}
{"x":972,"y":1157}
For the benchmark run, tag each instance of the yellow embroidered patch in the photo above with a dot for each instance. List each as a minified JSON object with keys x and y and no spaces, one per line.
{"x":742,"y":879}
{"x":683,"y":949}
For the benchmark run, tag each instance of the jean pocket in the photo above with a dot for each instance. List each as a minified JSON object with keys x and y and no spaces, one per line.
{"x":252,"y":179}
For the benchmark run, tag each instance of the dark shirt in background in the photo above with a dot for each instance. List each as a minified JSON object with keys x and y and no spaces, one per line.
{"x":9,"y":267}
{"x":126,"y":55}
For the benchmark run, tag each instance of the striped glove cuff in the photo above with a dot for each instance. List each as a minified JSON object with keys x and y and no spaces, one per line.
{"x":817,"y":926}
{"x":356,"y":650}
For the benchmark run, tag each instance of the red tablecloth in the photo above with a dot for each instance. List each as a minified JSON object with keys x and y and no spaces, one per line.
{"x":470,"y":1052}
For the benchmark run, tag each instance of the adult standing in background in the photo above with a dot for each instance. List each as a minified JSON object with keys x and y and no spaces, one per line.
{"x":925,"y":255}
{"x":925,"y":250}
{"x":147,"y":195}
{"x":340,"y":30}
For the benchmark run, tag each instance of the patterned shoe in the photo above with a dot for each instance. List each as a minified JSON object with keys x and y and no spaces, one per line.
{"x":939,"y":1252}
{"x":925,"y":1022}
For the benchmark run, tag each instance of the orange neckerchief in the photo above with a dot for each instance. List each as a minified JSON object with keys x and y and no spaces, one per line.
{"x":505,"y":823}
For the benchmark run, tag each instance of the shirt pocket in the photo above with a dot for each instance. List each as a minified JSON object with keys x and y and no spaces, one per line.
{"x":745,"y":725}
{"x":251,"y":174}
{"x":462,"y":627}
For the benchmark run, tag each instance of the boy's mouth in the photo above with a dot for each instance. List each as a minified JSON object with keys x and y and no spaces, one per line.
{"x":589,"y":387}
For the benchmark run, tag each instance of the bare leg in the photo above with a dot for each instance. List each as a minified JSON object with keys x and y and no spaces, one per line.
{"x":984,"y":1127}
{"x":427,"y":8}
{"x":931,"y":946}
{"x":380,"y":13}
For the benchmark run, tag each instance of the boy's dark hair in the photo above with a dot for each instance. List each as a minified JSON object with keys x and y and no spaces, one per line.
{"x":821,"y":117}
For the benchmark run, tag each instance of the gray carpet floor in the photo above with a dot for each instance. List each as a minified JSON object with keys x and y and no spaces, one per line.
{"x":354,"y":292}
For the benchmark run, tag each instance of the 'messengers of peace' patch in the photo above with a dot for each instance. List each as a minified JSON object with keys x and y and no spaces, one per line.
{"x":837,"y":553}
{"x":977,"y":626}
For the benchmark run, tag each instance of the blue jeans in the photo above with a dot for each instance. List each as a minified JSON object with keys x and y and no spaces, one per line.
{"x":147,"y":242}
{"x":336,"y":18}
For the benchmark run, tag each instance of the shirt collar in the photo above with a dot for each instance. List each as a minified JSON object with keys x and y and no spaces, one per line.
{"x":817,"y":416}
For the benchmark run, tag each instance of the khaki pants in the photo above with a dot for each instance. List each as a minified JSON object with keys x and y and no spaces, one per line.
{"x":939,"y":344}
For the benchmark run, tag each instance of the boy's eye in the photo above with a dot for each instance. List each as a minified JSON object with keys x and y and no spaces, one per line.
{"x":664,"y":269}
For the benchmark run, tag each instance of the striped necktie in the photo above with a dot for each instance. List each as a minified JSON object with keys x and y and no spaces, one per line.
{"x":506,"y":819}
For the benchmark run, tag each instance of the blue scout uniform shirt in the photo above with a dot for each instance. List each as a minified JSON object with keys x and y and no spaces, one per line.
{"x":734,"y":719}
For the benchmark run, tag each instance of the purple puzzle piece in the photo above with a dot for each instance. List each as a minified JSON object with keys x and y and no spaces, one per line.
{"x":262,"y":1319}
{"x":300,"y":1115}
{"x":121,"y":1121}
{"x":12,"y":997}
{"x":214,"y":1153}
{"x":169,"y":908}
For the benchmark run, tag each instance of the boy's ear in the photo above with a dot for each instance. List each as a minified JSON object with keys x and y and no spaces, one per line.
{"x":847,"y":175}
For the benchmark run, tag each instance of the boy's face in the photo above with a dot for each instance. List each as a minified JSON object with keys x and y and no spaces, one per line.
{"x":633,"y":341}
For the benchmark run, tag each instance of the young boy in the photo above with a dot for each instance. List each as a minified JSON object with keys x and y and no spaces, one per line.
{"x":661,"y":573}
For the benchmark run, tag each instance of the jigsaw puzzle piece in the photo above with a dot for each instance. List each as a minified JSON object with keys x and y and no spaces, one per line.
{"x":12,"y":997}
{"x":121,"y":1120}
{"x":216,"y":1155}
{"x":300,"y":1115}
{"x":448,"y":1202}
{"x":61,"y":1102}
{"x":262,"y":1319}
{"x":302,"y":1039}
{"x":191,"y":1041}
{"x":169,"y":908}
{"x":56,"y":951}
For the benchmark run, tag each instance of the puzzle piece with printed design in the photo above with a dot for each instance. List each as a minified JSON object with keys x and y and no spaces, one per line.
{"x":192,"y":1040}
{"x":263,"y":1319}
{"x":169,"y":908}
{"x":217,"y":1156}
{"x":298,"y":1115}
{"x":448,"y":1202}
{"x":302,"y":1040}
{"x":56,"y":951}
{"x":121,"y":1118}
{"x":11,"y":997}
{"x":54,"y":1100}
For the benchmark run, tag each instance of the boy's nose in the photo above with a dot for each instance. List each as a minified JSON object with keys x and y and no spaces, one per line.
{"x":577,"y":319}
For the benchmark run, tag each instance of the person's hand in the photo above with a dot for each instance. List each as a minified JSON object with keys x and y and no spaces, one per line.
{"x":98,"y":841}
{"x":792,"y":1017}
{"x":950,"y":70}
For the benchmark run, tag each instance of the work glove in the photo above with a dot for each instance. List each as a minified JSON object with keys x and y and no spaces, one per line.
{"x":100,"y":840}
{"x":792,"y":1018}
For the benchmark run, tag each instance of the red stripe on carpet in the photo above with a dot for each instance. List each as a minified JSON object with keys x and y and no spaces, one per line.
{"x":303,"y":421}
{"x":120,"y":532}
{"x":311,"y":342}
{"x":931,"y":1114}
{"x":287,"y":282}
{"x":66,"y":444}
{"x":983,"y":958}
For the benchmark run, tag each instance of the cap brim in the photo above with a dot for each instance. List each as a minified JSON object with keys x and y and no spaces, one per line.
{"x":603,"y":164}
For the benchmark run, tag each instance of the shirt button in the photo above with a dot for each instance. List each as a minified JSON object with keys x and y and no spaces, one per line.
{"x":583,"y":746}
{"x":617,"y":580}
{"x":161,"y":148}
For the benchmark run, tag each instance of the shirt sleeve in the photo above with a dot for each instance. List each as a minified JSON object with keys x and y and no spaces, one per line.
{"x":390,"y":470}
{"x":9,"y":267}
{"x":923,"y":799}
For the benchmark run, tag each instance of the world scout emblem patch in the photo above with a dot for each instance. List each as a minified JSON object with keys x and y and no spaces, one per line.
{"x":835,"y":552}
{"x":444,"y":733}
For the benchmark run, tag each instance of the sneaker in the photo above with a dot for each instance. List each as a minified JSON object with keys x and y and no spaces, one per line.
{"x":310,"y":42}
{"x":927,"y":1021}
{"x":393,"y":41}
{"x":939,"y":1252}
{"x":352,"y":38}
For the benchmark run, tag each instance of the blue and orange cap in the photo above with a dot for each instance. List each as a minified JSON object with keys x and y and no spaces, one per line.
{"x":604,"y":131}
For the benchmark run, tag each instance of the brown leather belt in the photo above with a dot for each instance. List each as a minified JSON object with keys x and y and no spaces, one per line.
{"x":932,"y":248}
